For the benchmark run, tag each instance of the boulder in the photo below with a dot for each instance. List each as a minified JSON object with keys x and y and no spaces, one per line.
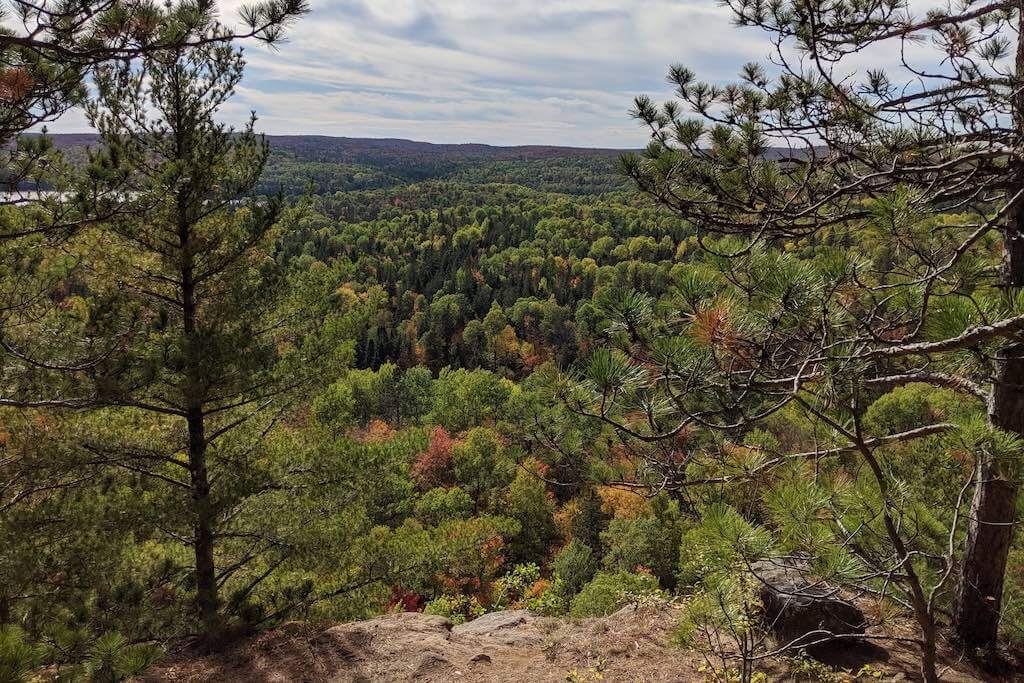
{"x":798,"y":608}
{"x":488,"y":624}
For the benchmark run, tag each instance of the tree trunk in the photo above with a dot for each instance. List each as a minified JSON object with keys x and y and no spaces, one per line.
{"x":993,"y":513}
{"x":979,"y":595}
{"x":207,"y":599}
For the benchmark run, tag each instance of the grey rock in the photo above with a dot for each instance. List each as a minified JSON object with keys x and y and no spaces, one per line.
{"x":489,"y":624}
{"x":798,"y":608}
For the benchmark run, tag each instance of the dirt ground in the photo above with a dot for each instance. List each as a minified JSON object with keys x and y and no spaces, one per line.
{"x":504,"y":647}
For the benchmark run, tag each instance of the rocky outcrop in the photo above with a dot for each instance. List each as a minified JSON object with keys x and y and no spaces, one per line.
{"x":800,"y":610}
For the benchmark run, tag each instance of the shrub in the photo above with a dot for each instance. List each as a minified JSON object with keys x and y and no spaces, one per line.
{"x":609,"y":591}
{"x":574,"y":566}
{"x":513,"y":589}
{"x":440,"y":505}
{"x":458,"y":608}
{"x":647,"y":542}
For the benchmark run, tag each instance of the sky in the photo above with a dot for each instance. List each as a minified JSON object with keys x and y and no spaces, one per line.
{"x":503,"y":72}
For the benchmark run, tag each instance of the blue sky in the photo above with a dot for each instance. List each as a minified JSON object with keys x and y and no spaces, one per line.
{"x":497,"y":71}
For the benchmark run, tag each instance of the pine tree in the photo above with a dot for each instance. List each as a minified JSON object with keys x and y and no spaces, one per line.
{"x":186,"y":288}
{"x":924,"y":156}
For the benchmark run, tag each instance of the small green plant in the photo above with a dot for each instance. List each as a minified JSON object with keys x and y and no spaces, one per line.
{"x":458,"y":608}
{"x":552,"y":602}
{"x":113,"y":659}
{"x":574,"y":565}
{"x":513,"y":589}
{"x":609,"y":591}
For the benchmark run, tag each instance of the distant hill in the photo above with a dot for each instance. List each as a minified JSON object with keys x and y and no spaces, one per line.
{"x":326,"y":148}
{"x":333,"y":164}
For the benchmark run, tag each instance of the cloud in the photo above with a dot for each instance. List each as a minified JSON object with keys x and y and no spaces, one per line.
{"x":497,"y":71}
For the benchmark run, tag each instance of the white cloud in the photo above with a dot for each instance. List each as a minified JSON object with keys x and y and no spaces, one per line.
{"x":497,"y":71}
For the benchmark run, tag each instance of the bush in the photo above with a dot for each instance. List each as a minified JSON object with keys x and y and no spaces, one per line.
{"x":440,"y":505}
{"x":644,"y":543}
{"x":514,"y":589}
{"x":609,"y":591}
{"x":574,"y":566}
{"x":458,"y":608}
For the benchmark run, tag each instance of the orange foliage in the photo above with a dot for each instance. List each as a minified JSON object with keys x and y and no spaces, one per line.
{"x":378,"y":431}
{"x":711,"y":326}
{"x":620,"y":502}
{"x":433,"y":466}
{"x":15,"y":84}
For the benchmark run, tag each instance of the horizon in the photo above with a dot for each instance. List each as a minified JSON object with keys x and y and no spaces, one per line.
{"x":468,"y":143}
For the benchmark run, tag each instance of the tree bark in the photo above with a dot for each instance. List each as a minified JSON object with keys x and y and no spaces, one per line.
{"x":207,"y":598}
{"x":979,"y":596}
{"x":993,"y":513}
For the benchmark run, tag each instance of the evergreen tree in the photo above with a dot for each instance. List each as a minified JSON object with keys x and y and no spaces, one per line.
{"x":924,"y":156}
{"x":188,"y":290}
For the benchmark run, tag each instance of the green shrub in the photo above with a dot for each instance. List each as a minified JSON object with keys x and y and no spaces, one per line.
{"x":551,"y":602}
{"x":574,"y":566}
{"x":645,"y":542}
{"x":113,"y":658}
{"x":458,"y":608}
{"x":440,"y":505}
{"x":609,"y":591}
{"x":512,"y":590}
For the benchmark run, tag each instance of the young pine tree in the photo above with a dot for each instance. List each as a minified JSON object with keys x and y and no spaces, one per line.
{"x":190,"y":291}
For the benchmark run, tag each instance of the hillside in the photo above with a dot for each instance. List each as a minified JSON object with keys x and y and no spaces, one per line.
{"x":335,"y":164}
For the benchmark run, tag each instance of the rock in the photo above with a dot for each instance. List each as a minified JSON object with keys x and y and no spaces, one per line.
{"x":796,"y":605}
{"x":488,"y":624}
{"x":481,"y":658}
{"x":624,"y":611}
{"x":430,"y":664}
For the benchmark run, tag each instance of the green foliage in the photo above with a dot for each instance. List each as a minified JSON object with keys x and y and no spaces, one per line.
{"x":574,"y":566}
{"x":458,"y":608}
{"x":649,"y":542}
{"x":609,"y":591}
{"x":335,"y":406}
{"x":528,"y":502}
{"x":18,"y":657}
{"x":481,"y":463}
{"x":113,"y":659}
{"x":440,"y":505}
{"x":467,"y":399}
{"x":721,"y":541}
{"x":513,"y":590}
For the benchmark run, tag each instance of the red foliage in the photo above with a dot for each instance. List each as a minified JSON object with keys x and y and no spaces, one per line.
{"x":405,"y":600}
{"x":433,"y":466}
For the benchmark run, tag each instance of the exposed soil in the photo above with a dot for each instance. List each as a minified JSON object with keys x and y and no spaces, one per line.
{"x":503,"y":647}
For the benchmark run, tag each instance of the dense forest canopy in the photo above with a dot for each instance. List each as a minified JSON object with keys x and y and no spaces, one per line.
{"x":249,"y":380}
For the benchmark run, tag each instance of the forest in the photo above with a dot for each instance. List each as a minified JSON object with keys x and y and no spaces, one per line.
{"x":247,"y":381}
